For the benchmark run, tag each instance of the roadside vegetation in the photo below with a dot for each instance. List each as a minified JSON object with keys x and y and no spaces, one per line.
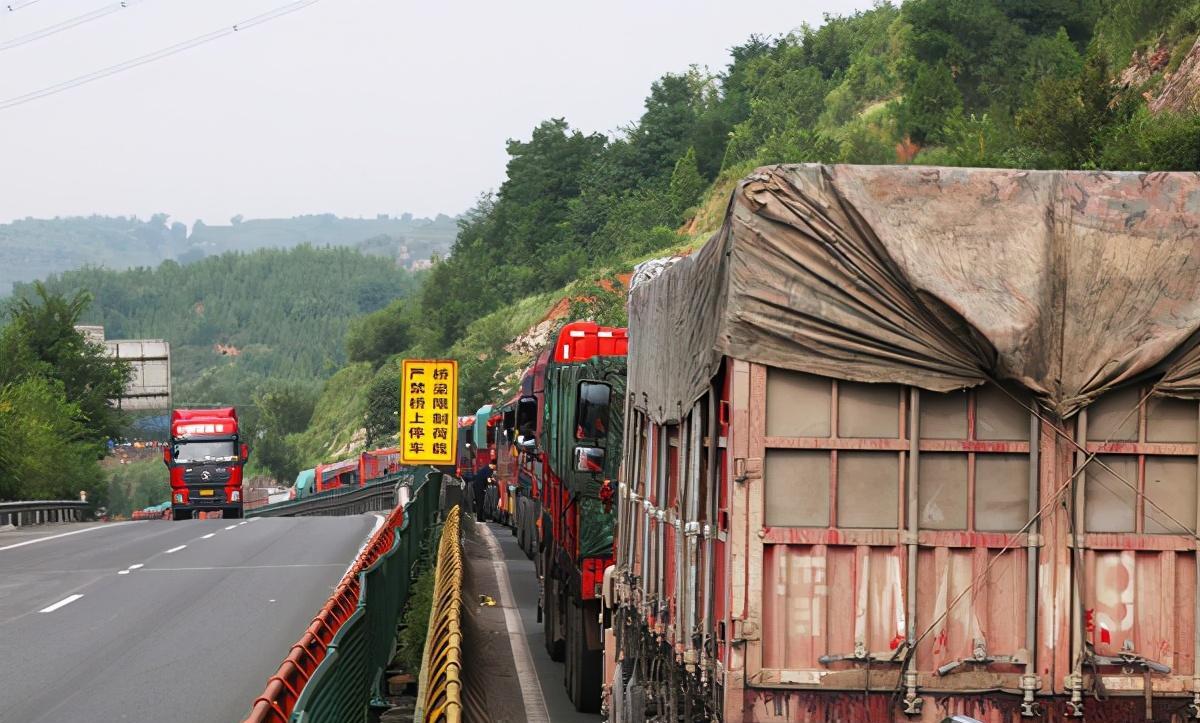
{"x":55,"y":418}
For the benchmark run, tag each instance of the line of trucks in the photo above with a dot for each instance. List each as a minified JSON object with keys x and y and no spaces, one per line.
{"x":897,"y":444}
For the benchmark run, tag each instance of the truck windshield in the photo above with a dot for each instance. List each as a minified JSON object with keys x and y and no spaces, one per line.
{"x":185,"y":452}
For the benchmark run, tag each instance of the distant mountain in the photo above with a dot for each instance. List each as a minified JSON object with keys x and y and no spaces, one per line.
{"x":36,"y":248}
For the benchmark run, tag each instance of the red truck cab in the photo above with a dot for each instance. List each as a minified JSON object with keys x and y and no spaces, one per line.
{"x":205,"y":458}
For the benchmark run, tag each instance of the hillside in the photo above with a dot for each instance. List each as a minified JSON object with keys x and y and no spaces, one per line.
{"x":1057,"y":84}
{"x":238,"y":319}
{"x":36,"y":248}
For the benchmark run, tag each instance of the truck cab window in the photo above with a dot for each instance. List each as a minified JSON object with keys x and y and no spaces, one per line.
{"x":591,"y":417}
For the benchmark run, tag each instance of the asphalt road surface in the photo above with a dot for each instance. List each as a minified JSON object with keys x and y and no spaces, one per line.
{"x":550,"y":674}
{"x":159,"y":620}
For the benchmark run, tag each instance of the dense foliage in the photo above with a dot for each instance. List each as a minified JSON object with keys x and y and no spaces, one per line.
{"x":54,"y":392}
{"x":1009,"y":83}
{"x":237,"y":320}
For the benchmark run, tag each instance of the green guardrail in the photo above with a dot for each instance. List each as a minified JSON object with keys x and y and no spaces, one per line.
{"x":351,"y":676}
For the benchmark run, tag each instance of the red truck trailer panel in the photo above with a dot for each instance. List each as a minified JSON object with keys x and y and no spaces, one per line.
{"x":907,"y":443}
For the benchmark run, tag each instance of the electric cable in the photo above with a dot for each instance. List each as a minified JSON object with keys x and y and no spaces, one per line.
{"x":156,"y":55}
{"x":65,"y":24}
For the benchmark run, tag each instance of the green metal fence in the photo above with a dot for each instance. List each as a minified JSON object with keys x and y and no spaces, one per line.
{"x":350,"y":675}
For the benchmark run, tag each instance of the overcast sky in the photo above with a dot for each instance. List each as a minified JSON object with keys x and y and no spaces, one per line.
{"x":354,"y":107}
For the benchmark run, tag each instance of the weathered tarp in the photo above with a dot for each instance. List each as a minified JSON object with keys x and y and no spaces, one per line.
{"x":1065,"y":283}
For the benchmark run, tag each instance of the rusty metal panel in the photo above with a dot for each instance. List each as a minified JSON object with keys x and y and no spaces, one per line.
{"x":1109,"y":503}
{"x":1170,"y":420}
{"x":798,"y":405}
{"x":1143,"y":602}
{"x":867,"y":485}
{"x":868,"y":410}
{"x":943,"y":491}
{"x":796,"y":488}
{"x":944,"y":416}
{"x":990,"y":613}
{"x":1170,"y":494}
{"x":1001,"y":491}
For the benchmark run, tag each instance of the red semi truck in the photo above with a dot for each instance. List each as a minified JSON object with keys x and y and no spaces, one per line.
{"x":205,"y":460}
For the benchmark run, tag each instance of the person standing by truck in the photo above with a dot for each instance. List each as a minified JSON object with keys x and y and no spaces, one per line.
{"x":479,"y":484}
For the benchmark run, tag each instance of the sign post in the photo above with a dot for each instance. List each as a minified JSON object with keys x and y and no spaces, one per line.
{"x":429,"y":412}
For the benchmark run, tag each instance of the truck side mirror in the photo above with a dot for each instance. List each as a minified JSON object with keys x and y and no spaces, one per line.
{"x":245,"y":452}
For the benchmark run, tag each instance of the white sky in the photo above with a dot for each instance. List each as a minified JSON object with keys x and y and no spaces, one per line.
{"x":354,"y":107}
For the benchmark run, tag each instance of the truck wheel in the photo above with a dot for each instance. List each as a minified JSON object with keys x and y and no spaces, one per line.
{"x":181,"y":514}
{"x":550,"y":612}
{"x":585,"y":665}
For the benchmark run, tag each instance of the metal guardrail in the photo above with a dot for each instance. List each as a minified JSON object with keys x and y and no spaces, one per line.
{"x":336,"y":668}
{"x":439,"y":695}
{"x":383,"y":494}
{"x":39,"y":512}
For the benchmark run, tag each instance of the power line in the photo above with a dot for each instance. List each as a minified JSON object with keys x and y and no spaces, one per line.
{"x":65,"y":24}
{"x":13,"y":7}
{"x":156,"y":55}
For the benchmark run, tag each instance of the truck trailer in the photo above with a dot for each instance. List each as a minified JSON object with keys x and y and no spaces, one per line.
{"x":911,"y":443}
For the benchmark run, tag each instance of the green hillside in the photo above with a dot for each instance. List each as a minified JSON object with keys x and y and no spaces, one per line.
{"x":236,"y":320}
{"x":1046,"y":84}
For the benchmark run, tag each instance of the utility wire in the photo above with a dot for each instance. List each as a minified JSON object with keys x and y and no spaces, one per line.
{"x":13,"y":7}
{"x":65,"y":24}
{"x":156,"y":55}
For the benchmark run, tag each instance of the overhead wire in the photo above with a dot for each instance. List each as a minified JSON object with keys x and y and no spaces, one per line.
{"x":155,"y":55}
{"x":13,"y":7}
{"x":65,"y":24}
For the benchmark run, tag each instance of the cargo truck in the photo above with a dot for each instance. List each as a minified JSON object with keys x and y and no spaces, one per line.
{"x":204,"y":459}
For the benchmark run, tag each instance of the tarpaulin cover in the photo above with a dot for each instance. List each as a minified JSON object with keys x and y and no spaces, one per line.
{"x":1065,"y":283}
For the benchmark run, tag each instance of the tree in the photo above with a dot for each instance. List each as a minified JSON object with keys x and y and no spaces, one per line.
{"x":929,"y":102}
{"x":383,"y":403}
{"x":375,"y":337}
{"x":42,"y":337}
{"x":686,"y":184}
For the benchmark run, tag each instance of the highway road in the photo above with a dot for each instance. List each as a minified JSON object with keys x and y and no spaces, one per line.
{"x":158,"y":620}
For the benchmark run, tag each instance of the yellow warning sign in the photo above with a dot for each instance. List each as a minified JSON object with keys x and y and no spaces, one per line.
{"x":428,"y":411}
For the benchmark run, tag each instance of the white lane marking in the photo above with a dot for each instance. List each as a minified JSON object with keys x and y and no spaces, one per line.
{"x":122,"y":572}
{"x":254,"y":519}
{"x":531,"y":687}
{"x":242,"y":523}
{"x":105,"y":526}
{"x":379,"y":520}
{"x":231,"y":527}
{"x":208,"y":536}
{"x":131,"y":568}
{"x":242,"y":567}
{"x":174,"y":549}
{"x":134,"y":567}
{"x":61,"y":603}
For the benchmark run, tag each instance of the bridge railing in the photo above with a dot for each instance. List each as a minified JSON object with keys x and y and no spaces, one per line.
{"x":336,"y":668}
{"x":440,"y":695}
{"x":383,"y":494}
{"x":39,"y":512}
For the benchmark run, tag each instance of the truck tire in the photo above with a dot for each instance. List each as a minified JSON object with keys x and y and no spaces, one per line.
{"x":181,"y":514}
{"x":555,"y":646}
{"x":585,"y":667}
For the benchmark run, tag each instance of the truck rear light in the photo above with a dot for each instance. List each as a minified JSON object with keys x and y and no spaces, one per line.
{"x":235,"y":496}
{"x":178,"y":498}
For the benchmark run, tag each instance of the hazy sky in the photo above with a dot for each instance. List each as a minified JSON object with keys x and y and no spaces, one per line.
{"x":354,"y":107}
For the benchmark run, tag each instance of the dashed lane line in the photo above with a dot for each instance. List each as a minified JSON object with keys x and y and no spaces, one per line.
{"x":208,"y":536}
{"x":60,"y":604}
{"x":174,"y":549}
